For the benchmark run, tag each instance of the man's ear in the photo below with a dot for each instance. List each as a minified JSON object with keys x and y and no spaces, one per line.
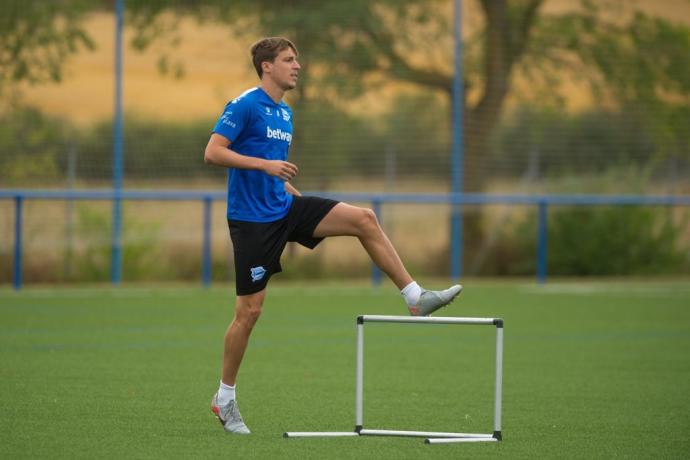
{"x":265,"y":66}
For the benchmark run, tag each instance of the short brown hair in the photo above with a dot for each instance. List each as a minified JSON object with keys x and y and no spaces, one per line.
{"x":267,"y":49}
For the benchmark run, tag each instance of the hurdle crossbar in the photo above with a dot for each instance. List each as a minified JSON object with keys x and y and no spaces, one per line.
{"x":431,"y":437}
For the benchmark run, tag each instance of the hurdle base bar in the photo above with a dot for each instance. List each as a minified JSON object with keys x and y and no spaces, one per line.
{"x":318,"y":434}
{"x":495,"y":437}
{"x":421,"y":434}
{"x":432,"y":437}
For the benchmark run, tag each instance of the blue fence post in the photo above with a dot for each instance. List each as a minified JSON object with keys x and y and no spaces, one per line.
{"x":456,"y":238}
{"x":542,"y":240}
{"x":456,"y":241}
{"x":375,"y":271}
{"x":18,"y":202}
{"x":206,"y":251}
{"x":116,"y":243}
{"x":116,"y":251}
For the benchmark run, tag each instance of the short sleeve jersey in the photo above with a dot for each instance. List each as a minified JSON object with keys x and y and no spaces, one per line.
{"x":257,"y":127}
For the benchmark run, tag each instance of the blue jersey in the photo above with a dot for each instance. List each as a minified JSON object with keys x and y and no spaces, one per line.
{"x":257,"y":127}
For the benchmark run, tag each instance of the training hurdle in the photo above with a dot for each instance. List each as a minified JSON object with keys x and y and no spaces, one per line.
{"x":431,"y":436}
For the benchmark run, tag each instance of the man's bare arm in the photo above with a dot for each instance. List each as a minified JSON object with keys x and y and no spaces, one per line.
{"x":219,"y":153}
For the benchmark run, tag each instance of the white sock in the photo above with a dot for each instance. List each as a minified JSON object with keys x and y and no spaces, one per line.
{"x":411,"y":293}
{"x":226,"y":393}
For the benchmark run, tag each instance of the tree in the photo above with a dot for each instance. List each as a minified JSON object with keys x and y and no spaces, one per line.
{"x":630,"y":58}
{"x":640,"y":64}
{"x":640,"y":61}
{"x":37,"y":36}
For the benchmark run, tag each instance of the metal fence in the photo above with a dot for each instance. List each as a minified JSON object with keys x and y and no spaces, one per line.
{"x":377,"y":201}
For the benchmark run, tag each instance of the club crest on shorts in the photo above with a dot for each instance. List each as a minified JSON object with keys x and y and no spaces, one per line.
{"x":257,"y":273}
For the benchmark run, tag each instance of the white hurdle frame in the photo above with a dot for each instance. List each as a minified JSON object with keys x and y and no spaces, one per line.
{"x":431,"y":436}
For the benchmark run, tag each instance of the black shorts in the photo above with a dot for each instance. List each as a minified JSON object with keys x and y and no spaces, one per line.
{"x":258,"y":246}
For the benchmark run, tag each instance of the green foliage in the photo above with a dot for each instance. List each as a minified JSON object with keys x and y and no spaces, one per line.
{"x":30,"y":145}
{"x":152,"y":149}
{"x":559,"y":143}
{"x":615,"y":241}
{"x":417,"y":128}
{"x":93,"y":262}
{"x":598,"y":241}
{"x":35,"y":147}
{"x":639,"y":63}
{"x":330,"y":143}
{"x":634,"y":56}
{"x":36,"y":37}
{"x":139,"y":252}
{"x":412,"y":137}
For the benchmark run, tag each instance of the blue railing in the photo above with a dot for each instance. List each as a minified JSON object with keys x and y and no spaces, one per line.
{"x":206,"y":198}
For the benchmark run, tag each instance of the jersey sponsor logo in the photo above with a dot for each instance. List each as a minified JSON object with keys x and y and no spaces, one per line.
{"x":257,"y":273}
{"x":278,"y":134}
{"x":225,"y":119}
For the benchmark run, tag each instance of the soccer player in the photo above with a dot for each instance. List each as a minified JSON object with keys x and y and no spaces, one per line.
{"x":265,"y":211}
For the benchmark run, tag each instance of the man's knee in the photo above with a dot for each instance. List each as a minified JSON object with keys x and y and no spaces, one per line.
{"x":367,"y":221}
{"x":248,"y":309}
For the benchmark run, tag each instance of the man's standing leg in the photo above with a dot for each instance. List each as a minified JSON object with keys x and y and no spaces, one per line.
{"x":247,"y":312}
{"x":224,"y":404}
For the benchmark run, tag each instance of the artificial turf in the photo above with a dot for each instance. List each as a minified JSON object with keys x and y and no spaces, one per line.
{"x":591,"y":370}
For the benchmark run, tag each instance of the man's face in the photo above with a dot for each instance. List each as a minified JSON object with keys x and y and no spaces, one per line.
{"x":284,"y":69}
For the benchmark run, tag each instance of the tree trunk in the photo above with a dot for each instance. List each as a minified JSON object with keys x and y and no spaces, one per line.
{"x":482,"y":119}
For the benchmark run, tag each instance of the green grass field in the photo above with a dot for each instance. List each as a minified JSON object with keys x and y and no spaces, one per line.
{"x":591,"y":370}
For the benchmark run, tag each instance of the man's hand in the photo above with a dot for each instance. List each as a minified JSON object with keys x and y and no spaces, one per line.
{"x":291,"y":189}
{"x":282,"y":169}
{"x":218,"y":152}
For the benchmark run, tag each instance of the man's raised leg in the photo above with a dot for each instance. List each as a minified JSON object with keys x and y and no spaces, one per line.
{"x":347,"y":220}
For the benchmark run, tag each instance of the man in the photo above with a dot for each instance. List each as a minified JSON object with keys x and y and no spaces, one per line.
{"x":265,"y":211}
